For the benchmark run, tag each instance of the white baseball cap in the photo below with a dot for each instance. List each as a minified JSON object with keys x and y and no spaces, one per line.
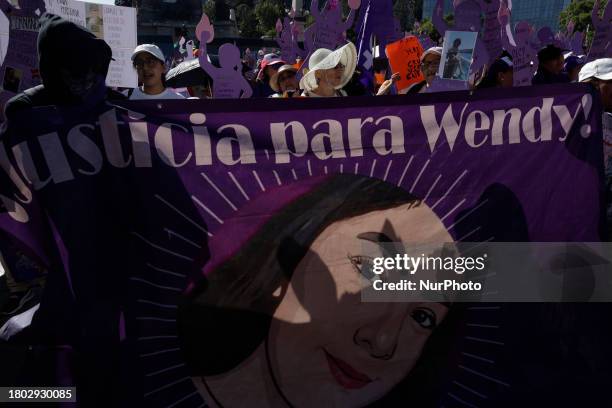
{"x":600,"y":69}
{"x":151,"y":49}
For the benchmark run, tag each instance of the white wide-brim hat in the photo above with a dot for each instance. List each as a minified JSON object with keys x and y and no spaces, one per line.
{"x":600,"y":69}
{"x":327,"y":59}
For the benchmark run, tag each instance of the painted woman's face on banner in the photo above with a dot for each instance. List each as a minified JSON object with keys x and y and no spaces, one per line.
{"x":327,"y":347}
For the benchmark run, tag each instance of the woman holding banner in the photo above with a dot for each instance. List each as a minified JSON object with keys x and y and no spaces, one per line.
{"x":279,"y":315}
{"x":329,"y":71}
{"x":499,"y":75}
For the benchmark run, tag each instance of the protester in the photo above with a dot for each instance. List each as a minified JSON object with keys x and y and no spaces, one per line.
{"x":550,"y":66}
{"x":201,"y":91}
{"x":73,"y":64}
{"x":285,"y":83}
{"x":62,"y":326}
{"x":149,"y":63}
{"x":329,"y":71}
{"x":430,"y":65}
{"x":499,"y":75}
{"x":599,"y":74}
{"x":360,"y":84}
{"x":572,"y":66}
{"x":268,"y":67}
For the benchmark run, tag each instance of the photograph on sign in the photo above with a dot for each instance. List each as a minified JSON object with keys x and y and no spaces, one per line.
{"x":93,"y":19}
{"x":457,"y":55}
{"x":12,"y":79}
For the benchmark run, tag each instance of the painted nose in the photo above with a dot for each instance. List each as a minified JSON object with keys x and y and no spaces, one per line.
{"x":380,"y":337}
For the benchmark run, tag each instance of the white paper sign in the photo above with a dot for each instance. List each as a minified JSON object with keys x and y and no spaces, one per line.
{"x":4,"y":36}
{"x":115,"y":24}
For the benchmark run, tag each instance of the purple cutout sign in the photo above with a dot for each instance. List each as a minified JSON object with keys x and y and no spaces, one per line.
{"x":328,"y":29}
{"x":601,"y":44}
{"x":492,"y":31}
{"x":228,"y":81}
{"x":287,"y":35}
{"x":521,"y":45}
{"x":467,"y":18}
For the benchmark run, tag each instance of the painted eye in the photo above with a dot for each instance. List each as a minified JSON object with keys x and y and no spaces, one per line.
{"x":363,"y":265}
{"x":426,"y":318}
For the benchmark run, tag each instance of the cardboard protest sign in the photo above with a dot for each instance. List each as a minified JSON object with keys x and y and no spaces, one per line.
{"x":217,"y":233}
{"x":19,"y":69}
{"x":4,"y":35}
{"x":115,"y":24}
{"x":405,"y":58}
{"x":457,"y":55}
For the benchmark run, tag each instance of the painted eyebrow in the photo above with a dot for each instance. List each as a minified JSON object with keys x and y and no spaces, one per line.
{"x":375,"y":237}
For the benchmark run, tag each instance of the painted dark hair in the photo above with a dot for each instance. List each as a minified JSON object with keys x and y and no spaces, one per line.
{"x":228,"y":315}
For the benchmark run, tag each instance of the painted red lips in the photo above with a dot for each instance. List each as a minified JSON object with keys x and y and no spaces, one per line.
{"x":345,"y":374}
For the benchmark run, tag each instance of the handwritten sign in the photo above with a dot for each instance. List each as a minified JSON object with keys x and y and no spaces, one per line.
{"x":405,"y":58}
{"x":116,"y":25}
{"x":4,"y":36}
{"x":19,"y":69}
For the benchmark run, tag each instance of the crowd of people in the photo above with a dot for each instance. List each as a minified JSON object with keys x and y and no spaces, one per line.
{"x":325,"y":73}
{"x":334,"y":73}
{"x":74,"y":63}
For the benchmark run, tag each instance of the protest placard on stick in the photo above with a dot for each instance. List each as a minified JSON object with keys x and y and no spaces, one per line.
{"x":405,"y":58}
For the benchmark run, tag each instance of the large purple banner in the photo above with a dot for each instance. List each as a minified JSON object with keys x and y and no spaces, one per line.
{"x":214,"y":245}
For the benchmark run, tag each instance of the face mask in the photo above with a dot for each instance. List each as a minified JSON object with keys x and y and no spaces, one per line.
{"x":83,"y":88}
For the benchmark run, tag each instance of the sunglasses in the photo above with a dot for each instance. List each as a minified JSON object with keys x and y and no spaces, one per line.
{"x":339,"y":66}
{"x":283,"y":77}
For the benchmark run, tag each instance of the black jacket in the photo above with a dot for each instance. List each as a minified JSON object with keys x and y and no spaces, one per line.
{"x":543,"y":77}
{"x":62,"y":45}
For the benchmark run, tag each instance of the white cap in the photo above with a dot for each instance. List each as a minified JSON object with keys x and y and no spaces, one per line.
{"x":432,"y":51}
{"x":600,"y":69}
{"x":151,"y":49}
